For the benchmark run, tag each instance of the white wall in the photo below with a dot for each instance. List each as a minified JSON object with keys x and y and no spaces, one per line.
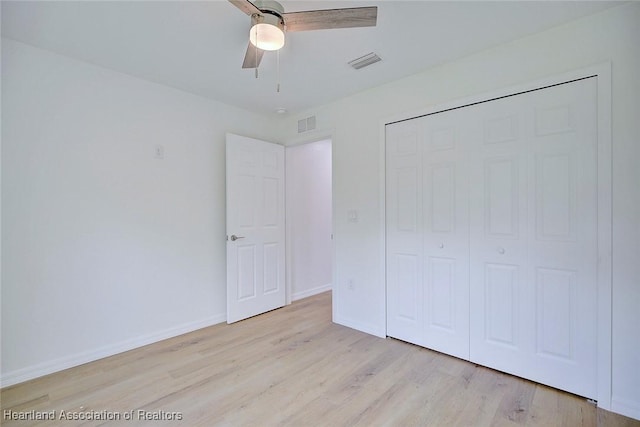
{"x":355,"y":123}
{"x":105,"y":248}
{"x":309,"y":218}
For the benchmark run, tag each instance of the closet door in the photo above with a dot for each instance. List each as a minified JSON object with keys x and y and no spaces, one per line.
{"x":492,"y":234}
{"x":405,"y":293}
{"x":446,"y":232}
{"x":533,"y":236}
{"x":427,"y":233}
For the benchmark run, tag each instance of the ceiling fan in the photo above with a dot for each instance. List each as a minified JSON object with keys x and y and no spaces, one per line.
{"x":269,"y":22}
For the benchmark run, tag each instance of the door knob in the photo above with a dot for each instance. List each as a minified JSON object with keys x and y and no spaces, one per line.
{"x":234,"y":237}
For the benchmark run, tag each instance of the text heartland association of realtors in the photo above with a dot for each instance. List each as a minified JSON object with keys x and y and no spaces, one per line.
{"x":138,"y":415}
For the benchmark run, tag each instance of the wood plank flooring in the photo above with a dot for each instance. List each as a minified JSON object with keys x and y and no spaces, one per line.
{"x":293,"y":367}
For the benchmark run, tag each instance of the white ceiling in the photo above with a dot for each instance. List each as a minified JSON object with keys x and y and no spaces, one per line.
{"x":199,"y":46}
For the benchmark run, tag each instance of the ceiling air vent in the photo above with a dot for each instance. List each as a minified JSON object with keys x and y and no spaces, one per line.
{"x":363,"y":61}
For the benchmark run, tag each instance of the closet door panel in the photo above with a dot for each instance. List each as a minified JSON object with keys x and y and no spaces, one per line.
{"x":405,"y":291}
{"x":498,"y":236}
{"x":533,"y":212}
{"x":427,"y":234}
{"x":562,"y":254}
{"x":446,"y":233}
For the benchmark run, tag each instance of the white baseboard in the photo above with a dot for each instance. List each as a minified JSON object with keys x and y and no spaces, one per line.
{"x":362,"y":327}
{"x":625,"y":407}
{"x":310,"y":292}
{"x":45,"y":368}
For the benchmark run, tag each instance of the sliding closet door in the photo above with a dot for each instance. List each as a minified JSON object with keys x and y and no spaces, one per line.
{"x":427,"y":233}
{"x":533,"y":236}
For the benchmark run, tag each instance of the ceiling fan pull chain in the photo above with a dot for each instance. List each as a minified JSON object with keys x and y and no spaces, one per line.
{"x":278,"y":70}
{"x":256,"y":52}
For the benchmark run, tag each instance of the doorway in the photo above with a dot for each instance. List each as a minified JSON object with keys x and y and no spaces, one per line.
{"x":309,"y":219}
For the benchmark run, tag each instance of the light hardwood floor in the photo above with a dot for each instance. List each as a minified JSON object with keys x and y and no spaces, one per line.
{"x":294,"y":367}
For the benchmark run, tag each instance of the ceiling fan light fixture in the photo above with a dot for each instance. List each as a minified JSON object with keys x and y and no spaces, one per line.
{"x":269,"y":21}
{"x":267,"y":33}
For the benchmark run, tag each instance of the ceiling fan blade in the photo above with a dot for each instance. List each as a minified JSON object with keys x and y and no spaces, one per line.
{"x":331,"y":18}
{"x":246,"y":6}
{"x":253,"y":57}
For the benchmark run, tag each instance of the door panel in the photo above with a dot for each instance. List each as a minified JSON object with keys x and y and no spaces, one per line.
{"x":501,"y":301}
{"x":555,"y":329}
{"x":441,"y":289}
{"x":555,"y":197}
{"x":406,"y":185}
{"x":501,"y":194}
{"x":271,"y":270}
{"x":246,"y":256}
{"x":255,"y":214}
{"x":443,"y":195}
{"x":407,"y":287}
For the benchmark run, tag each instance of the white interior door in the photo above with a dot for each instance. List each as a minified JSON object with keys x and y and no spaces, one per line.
{"x":428,"y":233}
{"x":405,"y":293}
{"x":255,"y":227}
{"x":534,"y":236}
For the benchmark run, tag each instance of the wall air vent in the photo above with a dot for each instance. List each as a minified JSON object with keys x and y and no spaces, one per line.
{"x":363,"y":61}
{"x":307,"y":124}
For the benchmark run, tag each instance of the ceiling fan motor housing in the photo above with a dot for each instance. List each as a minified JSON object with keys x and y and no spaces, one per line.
{"x":269,"y":5}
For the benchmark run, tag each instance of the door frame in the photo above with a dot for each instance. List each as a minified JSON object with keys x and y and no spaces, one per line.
{"x":302,"y":139}
{"x":602,"y":72}
{"x":289,"y":219}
